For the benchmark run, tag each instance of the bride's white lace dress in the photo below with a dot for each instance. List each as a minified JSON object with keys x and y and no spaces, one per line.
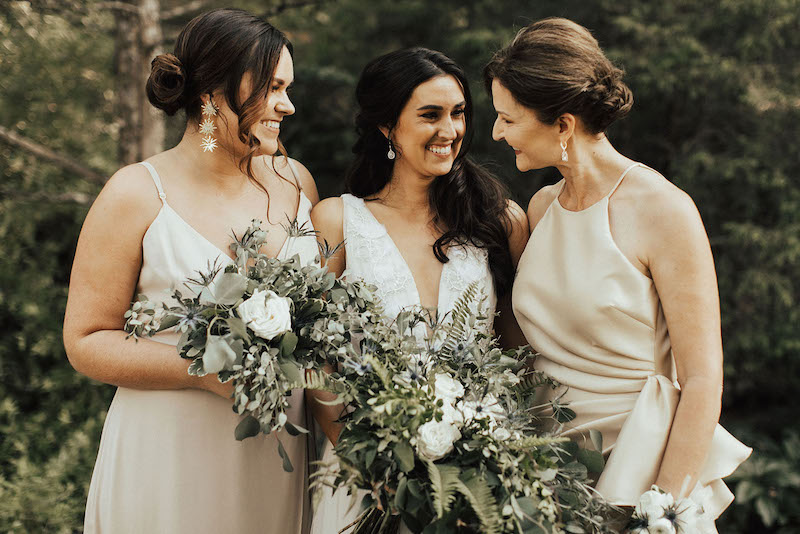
{"x":374,"y":257}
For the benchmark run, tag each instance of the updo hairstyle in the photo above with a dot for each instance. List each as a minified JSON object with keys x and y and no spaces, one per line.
{"x":555,"y":66}
{"x":214,"y":51}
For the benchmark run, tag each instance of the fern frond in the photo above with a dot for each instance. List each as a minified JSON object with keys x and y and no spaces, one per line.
{"x":535,"y":441}
{"x":480,"y":497}
{"x":457,"y":330}
{"x":444,"y":483}
{"x":317,"y":379}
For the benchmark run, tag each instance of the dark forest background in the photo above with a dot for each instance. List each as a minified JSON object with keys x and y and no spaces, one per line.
{"x":717,"y":89}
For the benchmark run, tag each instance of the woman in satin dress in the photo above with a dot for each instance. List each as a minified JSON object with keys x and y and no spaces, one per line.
{"x":168,"y":461}
{"x":616,"y":288}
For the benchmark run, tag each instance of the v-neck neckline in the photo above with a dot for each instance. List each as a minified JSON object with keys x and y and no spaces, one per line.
{"x":166,"y":205}
{"x":405,"y":263}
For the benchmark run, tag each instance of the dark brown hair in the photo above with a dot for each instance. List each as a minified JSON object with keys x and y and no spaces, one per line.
{"x":215,"y":51}
{"x":469,"y":203}
{"x":555,"y":66}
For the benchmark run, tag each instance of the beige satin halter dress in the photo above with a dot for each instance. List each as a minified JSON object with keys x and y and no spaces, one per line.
{"x":168,"y":460}
{"x":598,"y":323}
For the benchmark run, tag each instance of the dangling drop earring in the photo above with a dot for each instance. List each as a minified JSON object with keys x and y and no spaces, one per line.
{"x":564,"y":155}
{"x":391,"y":154}
{"x":207,"y":127}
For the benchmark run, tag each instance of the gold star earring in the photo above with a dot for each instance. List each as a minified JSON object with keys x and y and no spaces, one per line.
{"x":207,"y":127}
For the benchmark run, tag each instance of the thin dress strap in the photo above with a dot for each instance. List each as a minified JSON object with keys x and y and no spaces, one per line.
{"x":623,"y":176}
{"x":293,"y":169}
{"x":156,"y":179}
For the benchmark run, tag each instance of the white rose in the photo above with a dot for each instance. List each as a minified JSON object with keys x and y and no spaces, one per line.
{"x":661,"y":526}
{"x":266,"y":314}
{"x":447,"y":388}
{"x":435,"y":439}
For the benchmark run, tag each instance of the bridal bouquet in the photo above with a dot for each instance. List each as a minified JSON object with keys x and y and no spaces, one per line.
{"x":261,"y":322}
{"x":442,"y":435}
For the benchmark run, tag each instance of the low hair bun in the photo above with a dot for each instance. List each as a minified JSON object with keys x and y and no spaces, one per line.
{"x":611,"y":100}
{"x":165,"y":87}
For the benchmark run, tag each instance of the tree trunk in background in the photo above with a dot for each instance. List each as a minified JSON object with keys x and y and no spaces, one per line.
{"x":151,"y":139}
{"x":138,"y":38}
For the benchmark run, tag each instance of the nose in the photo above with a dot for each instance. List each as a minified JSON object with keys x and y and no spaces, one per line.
{"x":497,"y":130}
{"x":284,"y":105}
{"x":447,"y":130}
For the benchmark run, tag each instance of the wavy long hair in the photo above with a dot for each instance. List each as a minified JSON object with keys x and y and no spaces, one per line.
{"x":469,"y":203}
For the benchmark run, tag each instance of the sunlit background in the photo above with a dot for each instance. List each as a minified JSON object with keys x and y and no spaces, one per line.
{"x":717,"y":110}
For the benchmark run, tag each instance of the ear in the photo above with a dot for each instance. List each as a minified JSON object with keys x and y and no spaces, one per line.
{"x":566,"y":125}
{"x":386,"y":131}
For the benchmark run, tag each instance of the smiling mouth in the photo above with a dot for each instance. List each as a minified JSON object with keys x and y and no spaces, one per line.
{"x":272,"y":125}
{"x":440,"y":150}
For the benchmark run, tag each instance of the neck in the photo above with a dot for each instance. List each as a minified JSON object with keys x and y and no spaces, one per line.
{"x":407,"y":191}
{"x":593,"y":168}
{"x":218,"y":169}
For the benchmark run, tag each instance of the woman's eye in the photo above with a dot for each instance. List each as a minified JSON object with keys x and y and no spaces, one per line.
{"x":458,"y":112}
{"x":429,"y":115}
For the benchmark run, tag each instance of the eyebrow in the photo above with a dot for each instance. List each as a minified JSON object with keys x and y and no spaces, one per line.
{"x":440,"y":108}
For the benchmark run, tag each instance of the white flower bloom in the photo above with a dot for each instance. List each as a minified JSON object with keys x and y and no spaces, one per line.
{"x":451,"y":414}
{"x":447,"y":388}
{"x":435,"y":439}
{"x":661,"y":526}
{"x":501,"y":434}
{"x":266,"y":314}
{"x":653,"y":503}
{"x":489,"y":407}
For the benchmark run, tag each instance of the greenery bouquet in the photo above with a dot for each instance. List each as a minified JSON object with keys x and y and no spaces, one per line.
{"x":442,"y":436}
{"x":266,"y":324}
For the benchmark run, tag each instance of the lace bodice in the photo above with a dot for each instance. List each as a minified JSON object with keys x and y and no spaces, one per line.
{"x":373,"y":256}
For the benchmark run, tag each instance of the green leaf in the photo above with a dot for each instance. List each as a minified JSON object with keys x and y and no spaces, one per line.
{"x":226,"y":288}
{"x":238,"y":328}
{"x":288,"y":343}
{"x":292,"y":371}
{"x":597,"y":439}
{"x":593,"y":460}
{"x":404,"y":456}
{"x":168,"y":322}
{"x":247,"y":428}
{"x":369,"y":457}
{"x":287,"y":463}
{"x":196,"y":367}
{"x":218,"y":355}
{"x":294,"y":430}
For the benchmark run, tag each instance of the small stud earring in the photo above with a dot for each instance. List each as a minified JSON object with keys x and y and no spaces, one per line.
{"x":564,"y":155}
{"x":391,"y":154}
{"x":207,"y":127}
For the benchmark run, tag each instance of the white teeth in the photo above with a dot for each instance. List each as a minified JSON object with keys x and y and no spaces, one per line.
{"x":443,"y":150}
{"x":272,"y":124}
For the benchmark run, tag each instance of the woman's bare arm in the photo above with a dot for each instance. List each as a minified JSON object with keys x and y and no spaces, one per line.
{"x":103,"y":281}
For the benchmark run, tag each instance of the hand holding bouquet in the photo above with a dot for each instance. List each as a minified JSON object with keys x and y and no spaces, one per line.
{"x":260,"y":322}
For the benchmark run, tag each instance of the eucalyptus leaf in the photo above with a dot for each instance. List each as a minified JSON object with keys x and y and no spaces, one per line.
{"x":294,"y":430}
{"x":288,"y":343}
{"x":404,"y":456}
{"x":218,"y":355}
{"x":597,"y":439}
{"x":292,"y":371}
{"x":238,"y":328}
{"x":287,"y":463}
{"x":168,"y":322}
{"x":226,"y":289}
{"x":593,"y":460}
{"x":247,"y":428}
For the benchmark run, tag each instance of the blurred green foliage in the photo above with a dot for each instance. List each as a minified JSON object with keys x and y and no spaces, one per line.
{"x":717,"y":88}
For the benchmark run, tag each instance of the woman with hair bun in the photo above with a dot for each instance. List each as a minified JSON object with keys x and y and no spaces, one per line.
{"x":168,"y":461}
{"x":421,"y":221}
{"x":616,"y":288}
